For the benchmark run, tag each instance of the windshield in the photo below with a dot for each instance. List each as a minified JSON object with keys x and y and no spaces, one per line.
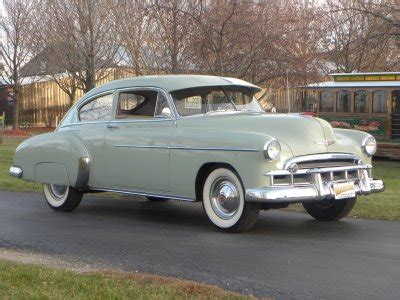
{"x":204,"y":100}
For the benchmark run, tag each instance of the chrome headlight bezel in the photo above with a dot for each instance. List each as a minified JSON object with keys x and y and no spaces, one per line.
{"x":272,"y":150}
{"x":369,"y":145}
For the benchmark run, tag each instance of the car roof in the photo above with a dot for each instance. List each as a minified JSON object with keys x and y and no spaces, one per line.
{"x":171,"y":83}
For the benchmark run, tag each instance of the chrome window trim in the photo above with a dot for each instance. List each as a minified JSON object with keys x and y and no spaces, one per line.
{"x":144,"y":193}
{"x":322,"y":156}
{"x":92,"y":98}
{"x":119,"y":121}
{"x":149,"y":88}
{"x":141,"y":120}
{"x":85,"y":123}
{"x":179,"y":116}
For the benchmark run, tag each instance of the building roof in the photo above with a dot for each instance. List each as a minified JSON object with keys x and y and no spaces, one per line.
{"x":352,"y":84}
{"x":361,"y":80}
{"x":365,"y":73}
{"x":171,"y":83}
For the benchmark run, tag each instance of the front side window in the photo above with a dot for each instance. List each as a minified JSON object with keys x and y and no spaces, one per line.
{"x":162,"y":107}
{"x":326,"y":103}
{"x":379,"y":101}
{"x":201,"y":100}
{"x":360,"y":102}
{"x":144,"y":104}
{"x":98,"y":109}
{"x":343,"y":101}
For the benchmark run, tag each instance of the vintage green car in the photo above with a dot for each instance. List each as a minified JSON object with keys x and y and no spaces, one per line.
{"x":198,"y":138}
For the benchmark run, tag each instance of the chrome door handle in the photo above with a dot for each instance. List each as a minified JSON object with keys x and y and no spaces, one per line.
{"x":112,"y":126}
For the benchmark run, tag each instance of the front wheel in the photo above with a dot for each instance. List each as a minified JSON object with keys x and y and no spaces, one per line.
{"x":61,"y":197}
{"x":224,"y":202}
{"x":330,"y":211}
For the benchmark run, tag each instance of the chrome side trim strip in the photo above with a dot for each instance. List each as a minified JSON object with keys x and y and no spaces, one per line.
{"x":143,"y":193}
{"x":215,"y":149}
{"x":322,"y":156}
{"x":141,"y":147}
{"x":187,"y":148}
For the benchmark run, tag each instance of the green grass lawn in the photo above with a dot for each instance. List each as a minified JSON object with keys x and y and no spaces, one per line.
{"x":24,"y":281}
{"x":384,"y":205}
{"x":6,"y":155}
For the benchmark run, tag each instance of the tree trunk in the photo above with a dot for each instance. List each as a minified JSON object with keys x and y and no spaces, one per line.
{"x":16,"y":113}
{"x":71,"y":98}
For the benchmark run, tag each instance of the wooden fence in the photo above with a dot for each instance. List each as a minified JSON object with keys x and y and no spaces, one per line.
{"x":279,"y":98}
{"x":44,"y":103}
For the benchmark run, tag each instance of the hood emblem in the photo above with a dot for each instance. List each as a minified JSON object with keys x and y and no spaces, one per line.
{"x":324,"y":143}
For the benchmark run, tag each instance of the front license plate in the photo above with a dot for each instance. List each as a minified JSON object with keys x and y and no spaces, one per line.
{"x":344,"y":190}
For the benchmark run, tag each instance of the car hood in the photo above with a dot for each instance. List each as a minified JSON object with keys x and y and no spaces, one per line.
{"x":302,"y":134}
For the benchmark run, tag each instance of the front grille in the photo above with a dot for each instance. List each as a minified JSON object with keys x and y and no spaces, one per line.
{"x":323,"y":165}
{"x":302,"y":179}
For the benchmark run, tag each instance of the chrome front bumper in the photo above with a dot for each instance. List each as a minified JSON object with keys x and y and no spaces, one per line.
{"x":317,"y":190}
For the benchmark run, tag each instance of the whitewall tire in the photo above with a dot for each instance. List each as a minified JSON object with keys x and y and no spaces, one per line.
{"x":62,"y":198}
{"x":224,"y":202}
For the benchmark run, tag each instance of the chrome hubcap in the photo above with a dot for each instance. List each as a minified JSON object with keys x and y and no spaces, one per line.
{"x":225,"y":198}
{"x":58,"y":191}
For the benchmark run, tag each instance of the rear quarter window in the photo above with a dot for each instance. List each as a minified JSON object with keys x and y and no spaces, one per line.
{"x":98,"y":109}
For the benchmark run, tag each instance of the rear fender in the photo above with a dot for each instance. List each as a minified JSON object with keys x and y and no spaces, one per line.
{"x":54,"y":158}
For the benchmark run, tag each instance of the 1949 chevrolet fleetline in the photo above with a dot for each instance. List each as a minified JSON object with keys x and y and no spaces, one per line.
{"x":198,"y":138}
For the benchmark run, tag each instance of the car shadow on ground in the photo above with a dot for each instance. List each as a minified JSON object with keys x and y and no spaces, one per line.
{"x":191,"y":217}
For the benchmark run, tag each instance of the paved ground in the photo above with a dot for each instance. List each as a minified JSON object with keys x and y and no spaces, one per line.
{"x":287,"y":255}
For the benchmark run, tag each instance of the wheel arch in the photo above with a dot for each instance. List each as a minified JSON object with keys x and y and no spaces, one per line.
{"x":204,"y":171}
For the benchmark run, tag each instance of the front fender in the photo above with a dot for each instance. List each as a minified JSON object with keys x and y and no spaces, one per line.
{"x":54,"y":158}
{"x":352,"y":141}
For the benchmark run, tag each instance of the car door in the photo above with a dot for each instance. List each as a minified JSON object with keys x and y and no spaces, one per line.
{"x":137,"y":140}
{"x":93,"y":117}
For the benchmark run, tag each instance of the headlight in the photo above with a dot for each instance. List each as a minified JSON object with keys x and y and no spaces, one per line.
{"x":272,"y":149}
{"x":369,"y":145}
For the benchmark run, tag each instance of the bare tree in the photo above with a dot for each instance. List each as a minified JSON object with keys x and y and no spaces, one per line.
{"x":84,"y":31}
{"x":15,"y":50}
{"x":171,"y":36}
{"x":134,"y":27}
{"x":355,"y":40}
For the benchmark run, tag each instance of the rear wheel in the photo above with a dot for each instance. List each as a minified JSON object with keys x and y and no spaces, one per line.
{"x":330,"y":211}
{"x":61,"y":197}
{"x":224,"y":202}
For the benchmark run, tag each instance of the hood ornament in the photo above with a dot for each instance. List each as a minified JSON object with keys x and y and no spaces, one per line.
{"x":324,"y":143}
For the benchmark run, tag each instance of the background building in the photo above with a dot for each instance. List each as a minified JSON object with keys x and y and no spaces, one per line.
{"x":361,"y":101}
